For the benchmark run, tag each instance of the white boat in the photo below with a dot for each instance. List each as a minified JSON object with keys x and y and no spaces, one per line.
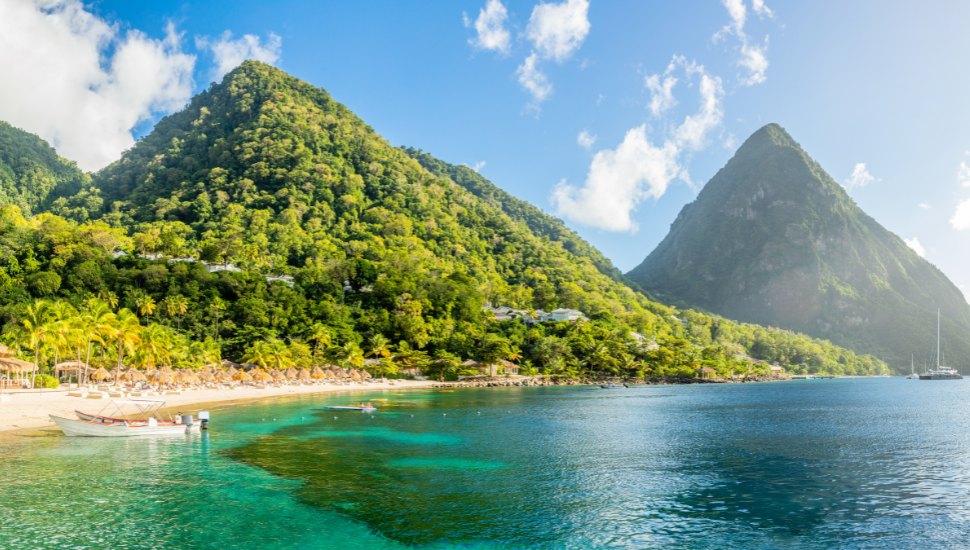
{"x":941,"y":372}
{"x":912,"y":370}
{"x":121,"y":424}
{"x":87,"y":428}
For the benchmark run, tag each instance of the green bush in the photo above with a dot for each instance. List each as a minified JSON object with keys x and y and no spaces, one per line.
{"x":45,"y":381}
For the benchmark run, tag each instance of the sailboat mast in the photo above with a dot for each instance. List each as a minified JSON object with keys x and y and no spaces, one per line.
{"x":937,"y":338}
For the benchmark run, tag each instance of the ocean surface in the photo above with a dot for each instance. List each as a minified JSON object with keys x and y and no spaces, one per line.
{"x":849,"y":463}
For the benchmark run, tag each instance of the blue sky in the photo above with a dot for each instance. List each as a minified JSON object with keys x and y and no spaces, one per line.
{"x":876,"y":83}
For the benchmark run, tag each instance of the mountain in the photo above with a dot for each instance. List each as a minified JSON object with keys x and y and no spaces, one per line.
{"x":269,"y":171}
{"x":385,"y":248}
{"x":32,"y":175}
{"x":773,"y":239}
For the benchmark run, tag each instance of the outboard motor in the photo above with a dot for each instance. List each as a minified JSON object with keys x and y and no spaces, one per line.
{"x":187,"y":420}
{"x":204,"y":420}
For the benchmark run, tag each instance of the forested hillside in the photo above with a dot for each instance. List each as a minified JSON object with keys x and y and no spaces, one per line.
{"x":32,"y":176}
{"x":271,"y":174}
{"x":773,"y":239}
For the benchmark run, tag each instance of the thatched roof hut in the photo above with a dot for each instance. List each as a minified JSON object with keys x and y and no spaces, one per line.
{"x":12,"y":364}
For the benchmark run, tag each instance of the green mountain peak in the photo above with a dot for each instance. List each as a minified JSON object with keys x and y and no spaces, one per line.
{"x":773,"y":239}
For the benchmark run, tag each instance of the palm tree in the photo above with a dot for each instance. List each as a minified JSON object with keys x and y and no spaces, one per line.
{"x":146,"y":304}
{"x":379,"y":347}
{"x":156,"y":343}
{"x":177,"y":305}
{"x":217,"y":306}
{"x":278,"y":354}
{"x":96,"y":322}
{"x":256,"y":354}
{"x":123,"y":331}
{"x":34,"y":330}
{"x":320,"y":334}
{"x":351,"y":355}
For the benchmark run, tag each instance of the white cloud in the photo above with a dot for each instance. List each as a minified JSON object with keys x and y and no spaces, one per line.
{"x":229,"y":53}
{"x":914,"y":244}
{"x":477,"y":166}
{"x":964,"y":174}
{"x":961,"y":218}
{"x":585,"y":140}
{"x":753,"y":57}
{"x":534,"y":80}
{"x":761,"y":9}
{"x":558,"y":30}
{"x":924,"y":205}
{"x":615,"y":183}
{"x":618,"y":180}
{"x":83,"y":84}
{"x":661,"y":94}
{"x":490,"y":24}
{"x":860,"y":177}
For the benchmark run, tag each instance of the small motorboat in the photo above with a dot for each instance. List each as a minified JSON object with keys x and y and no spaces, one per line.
{"x":612,"y":386}
{"x":121,"y":424}
{"x":351,"y":408}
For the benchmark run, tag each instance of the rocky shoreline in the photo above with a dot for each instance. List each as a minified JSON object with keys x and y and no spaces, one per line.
{"x":502,"y":382}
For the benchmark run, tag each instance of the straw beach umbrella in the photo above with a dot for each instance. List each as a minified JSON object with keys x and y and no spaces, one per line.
{"x":365,"y":374}
{"x":317,"y":373}
{"x":279,"y":376}
{"x":242,"y":376}
{"x":100,"y":374}
{"x":261,"y":376}
{"x":232,"y":371}
{"x":134,"y":375}
{"x":303,"y":374}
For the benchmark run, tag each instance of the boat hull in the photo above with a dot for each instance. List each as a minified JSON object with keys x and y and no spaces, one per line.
{"x":84,"y":428}
{"x":338,"y":408}
{"x":940,"y":377}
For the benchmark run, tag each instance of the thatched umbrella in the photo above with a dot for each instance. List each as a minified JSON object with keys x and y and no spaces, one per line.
{"x":317,"y":373}
{"x":134,"y":375}
{"x":291,"y":373}
{"x":222,"y":376}
{"x":279,"y":376}
{"x":242,"y":376}
{"x":365,"y":374}
{"x":206,"y":375}
{"x":303,"y":374}
{"x":161,"y":377}
{"x":4,"y":350}
{"x":101,"y":374}
{"x":232,"y":371}
{"x":262,"y":376}
{"x":355,"y":374}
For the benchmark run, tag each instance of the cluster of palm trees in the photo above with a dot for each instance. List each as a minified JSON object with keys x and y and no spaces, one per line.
{"x":55,"y":330}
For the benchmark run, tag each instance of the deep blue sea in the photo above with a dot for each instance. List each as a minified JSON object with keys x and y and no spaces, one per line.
{"x":850,"y":463}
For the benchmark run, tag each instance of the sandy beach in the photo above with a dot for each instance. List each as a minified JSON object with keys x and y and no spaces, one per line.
{"x":32,"y":409}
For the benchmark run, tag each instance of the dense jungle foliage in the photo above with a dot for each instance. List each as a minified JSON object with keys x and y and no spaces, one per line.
{"x":390,"y":260}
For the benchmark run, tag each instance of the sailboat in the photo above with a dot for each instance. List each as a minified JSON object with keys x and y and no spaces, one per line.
{"x":912,"y":370}
{"x":941,"y":372}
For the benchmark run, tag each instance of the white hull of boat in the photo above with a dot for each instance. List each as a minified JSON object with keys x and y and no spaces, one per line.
{"x":82,"y":428}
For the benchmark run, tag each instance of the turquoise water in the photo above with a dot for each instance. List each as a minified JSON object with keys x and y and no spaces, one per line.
{"x":854,"y":463}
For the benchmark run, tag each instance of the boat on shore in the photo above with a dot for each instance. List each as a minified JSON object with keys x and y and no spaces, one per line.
{"x":941,"y":372}
{"x":146,"y":421}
